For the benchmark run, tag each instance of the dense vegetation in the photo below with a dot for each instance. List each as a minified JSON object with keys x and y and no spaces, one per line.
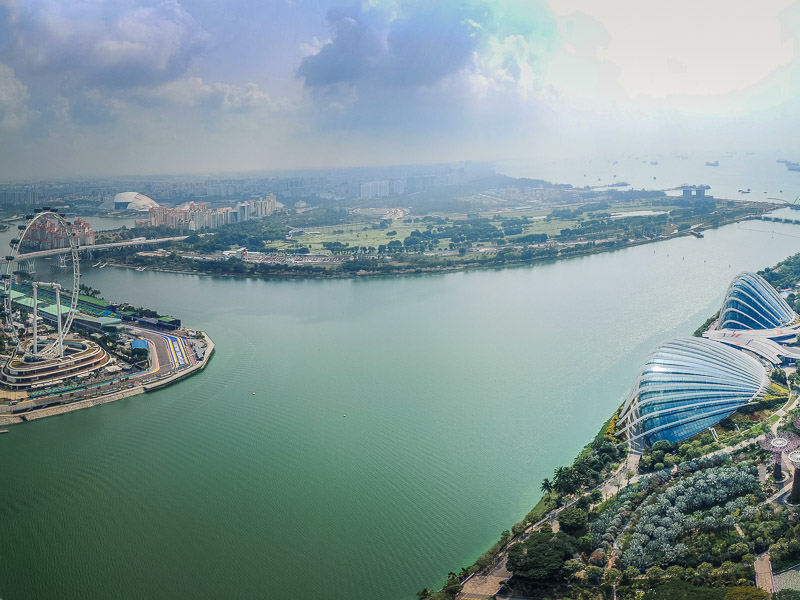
{"x":429,"y":243}
{"x":690,"y":527}
{"x":672,"y":526}
{"x":676,"y":520}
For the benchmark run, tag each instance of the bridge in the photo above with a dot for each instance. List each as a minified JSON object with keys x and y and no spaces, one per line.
{"x":126,"y":243}
{"x":779,"y":219}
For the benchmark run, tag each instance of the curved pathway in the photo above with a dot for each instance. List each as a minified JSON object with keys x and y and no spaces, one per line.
{"x":479,"y":585}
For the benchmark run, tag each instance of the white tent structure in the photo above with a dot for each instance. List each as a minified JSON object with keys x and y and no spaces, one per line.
{"x":129,"y":201}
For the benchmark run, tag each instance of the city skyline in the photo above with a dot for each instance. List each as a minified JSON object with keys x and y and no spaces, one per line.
{"x":140,"y":87}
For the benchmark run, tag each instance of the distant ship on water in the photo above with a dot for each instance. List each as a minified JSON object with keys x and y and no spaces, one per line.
{"x":792,"y":166}
{"x":712,"y":164}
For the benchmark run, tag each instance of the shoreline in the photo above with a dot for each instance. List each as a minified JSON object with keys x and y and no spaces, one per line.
{"x":495,"y":574}
{"x":299,"y":273}
{"x":134,"y":390}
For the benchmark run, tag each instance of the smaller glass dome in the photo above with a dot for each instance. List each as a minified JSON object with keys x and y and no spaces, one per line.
{"x":752,"y":303}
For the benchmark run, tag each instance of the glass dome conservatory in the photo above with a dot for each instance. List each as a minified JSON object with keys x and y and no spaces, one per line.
{"x":752,"y":303}
{"x":687,"y":385}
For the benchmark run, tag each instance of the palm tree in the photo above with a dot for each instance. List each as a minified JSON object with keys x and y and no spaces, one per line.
{"x":560,"y":477}
{"x":547,"y":486}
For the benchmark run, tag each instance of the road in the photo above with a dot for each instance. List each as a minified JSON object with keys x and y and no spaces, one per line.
{"x":126,"y":243}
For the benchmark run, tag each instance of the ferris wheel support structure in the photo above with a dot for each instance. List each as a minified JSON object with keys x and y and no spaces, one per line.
{"x":16,"y":259}
{"x":60,"y":340}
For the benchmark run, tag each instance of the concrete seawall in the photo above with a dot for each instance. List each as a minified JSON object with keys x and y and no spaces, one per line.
{"x":135,"y":389}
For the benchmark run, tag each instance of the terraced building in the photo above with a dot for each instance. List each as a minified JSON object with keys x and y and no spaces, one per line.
{"x":687,"y":385}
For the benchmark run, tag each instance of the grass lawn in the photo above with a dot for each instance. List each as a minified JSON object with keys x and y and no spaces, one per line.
{"x":362,"y":233}
{"x":544,"y":506}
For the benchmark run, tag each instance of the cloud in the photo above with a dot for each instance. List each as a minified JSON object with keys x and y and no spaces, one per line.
{"x":351,"y":56}
{"x":685,"y":47}
{"x":14,"y":112}
{"x":194,"y":92}
{"x":113,"y":44}
{"x":432,"y":43}
{"x":371,"y":47}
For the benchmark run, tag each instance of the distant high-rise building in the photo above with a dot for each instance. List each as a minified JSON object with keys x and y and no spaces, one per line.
{"x":375,"y":189}
{"x":194,"y":216}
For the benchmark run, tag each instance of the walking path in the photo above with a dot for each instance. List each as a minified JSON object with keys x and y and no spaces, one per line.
{"x":484,"y":585}
{"x":481,"y":586}
{"x":764,"y":578}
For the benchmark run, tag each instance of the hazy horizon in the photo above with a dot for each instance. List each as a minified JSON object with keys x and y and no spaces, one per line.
{"x":128,"y":87}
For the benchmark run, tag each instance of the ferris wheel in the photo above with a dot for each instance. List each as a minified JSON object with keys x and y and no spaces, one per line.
{"x":19,"y":267}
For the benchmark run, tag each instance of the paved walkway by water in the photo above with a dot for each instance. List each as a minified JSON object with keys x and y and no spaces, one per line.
{"x":484,"y":585}
{"x":763,"y":568}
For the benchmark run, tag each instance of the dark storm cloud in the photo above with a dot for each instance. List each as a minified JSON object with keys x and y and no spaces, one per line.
{"x":431,"y":44}
{"x":112,"y":44}
{"x":352,"y":56}
{"x":420,"y":47}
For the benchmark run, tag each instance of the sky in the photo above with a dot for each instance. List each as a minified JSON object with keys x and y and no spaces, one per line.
{"x":122,"y":87}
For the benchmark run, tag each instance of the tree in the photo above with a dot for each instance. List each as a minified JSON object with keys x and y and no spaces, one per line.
{"x":424,"y":594}
{"x":746,"y":593}
{"x":787,"y":595}
{"x":655,"y":574}
{"x":571,"y":567}
{"x":547,"y":486}
{"x":612,"y":576}
{"x":778,"y":375}
{"x":505,"y":536}
{"x":704,"y":569}
{"x":572,"y":520}
{"x":540,"y":557}
{"x":676,"y":571}
{"x":452,"y":588}
{"x":661,"y":445}
{"x":631,"y":573}
{"x":593,"y":574}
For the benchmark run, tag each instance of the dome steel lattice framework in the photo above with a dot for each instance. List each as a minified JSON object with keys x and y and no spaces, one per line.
{"x":752,"y":303}
{"x":687,"y":385}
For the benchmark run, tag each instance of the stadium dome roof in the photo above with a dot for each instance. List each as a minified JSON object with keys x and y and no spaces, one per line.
{"x":752,"y":303}
{"x":687,"y":385}
{"x":129,"y":201}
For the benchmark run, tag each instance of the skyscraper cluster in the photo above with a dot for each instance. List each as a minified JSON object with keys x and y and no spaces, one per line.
{"x":46,"y":235}
{"x":194,"y":216}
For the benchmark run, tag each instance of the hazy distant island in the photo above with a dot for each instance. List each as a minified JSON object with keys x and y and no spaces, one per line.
{"x":676,"y":497}
{"x":488,"y":221}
